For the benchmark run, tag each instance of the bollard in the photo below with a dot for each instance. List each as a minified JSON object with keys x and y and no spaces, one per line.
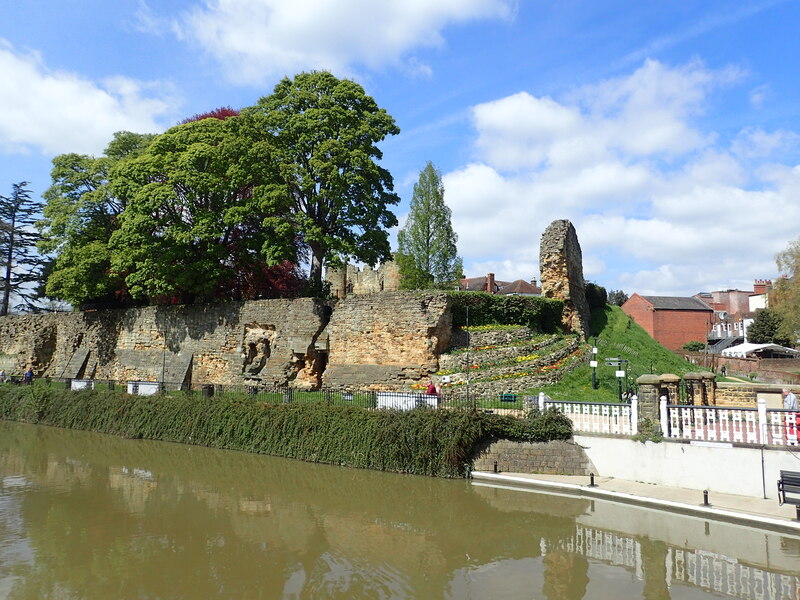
{"x":495,"y":466}
{"x":705,"y":498}
{"x":591,"y":480}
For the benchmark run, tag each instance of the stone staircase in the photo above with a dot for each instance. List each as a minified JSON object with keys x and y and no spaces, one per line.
{"x":76,"y":364}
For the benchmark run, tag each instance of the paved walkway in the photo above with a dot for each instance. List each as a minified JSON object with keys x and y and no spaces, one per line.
{"x":725,"y":507}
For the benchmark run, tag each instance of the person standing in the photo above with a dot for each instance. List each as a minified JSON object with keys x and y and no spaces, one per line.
{"x":28,"y":377}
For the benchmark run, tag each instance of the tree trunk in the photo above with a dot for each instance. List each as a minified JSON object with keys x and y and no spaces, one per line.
{"x":315,"y":275}
{"x":7,"y":279}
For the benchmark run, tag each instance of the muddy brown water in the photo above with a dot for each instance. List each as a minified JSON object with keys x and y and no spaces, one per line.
{"x":86,"y":515}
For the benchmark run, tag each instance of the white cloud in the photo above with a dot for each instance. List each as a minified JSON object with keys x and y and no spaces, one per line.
{"x":754,"y":142}
{"x":628,"y":161}
{"x":258,"y":39}
{"x":58,"y":111}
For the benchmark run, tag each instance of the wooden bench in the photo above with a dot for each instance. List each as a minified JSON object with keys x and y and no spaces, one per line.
{"x":789,"y":489}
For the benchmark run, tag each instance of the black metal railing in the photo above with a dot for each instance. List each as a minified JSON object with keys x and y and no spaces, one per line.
{"x":275,"y":394}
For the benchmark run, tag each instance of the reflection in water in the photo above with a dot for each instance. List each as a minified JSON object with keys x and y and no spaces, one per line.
{"x":91,"y":516}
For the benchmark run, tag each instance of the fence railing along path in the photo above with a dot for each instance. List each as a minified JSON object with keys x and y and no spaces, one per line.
{"x":760,"y":425}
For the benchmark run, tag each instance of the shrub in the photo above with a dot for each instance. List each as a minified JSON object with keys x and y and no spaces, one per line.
{"x":694,"y":346}
{"x":535,"y":312}
{"x":596,"y":296}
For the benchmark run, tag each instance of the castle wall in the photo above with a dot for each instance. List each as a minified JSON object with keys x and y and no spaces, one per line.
{"x":271,"y":340}
{"x":561,"y":270}
{"x":383,"y":341}
{"x":352,"y":280}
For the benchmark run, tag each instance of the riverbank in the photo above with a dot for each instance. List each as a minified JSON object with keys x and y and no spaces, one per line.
{"x":732,"y":508}
{"x":439,"y":443}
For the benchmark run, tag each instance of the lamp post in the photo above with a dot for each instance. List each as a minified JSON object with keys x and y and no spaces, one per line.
{"x":619,"y":363}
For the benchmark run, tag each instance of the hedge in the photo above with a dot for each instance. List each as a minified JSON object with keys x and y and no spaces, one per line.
{"x":540,"y":314}
{"x":423,"y":441}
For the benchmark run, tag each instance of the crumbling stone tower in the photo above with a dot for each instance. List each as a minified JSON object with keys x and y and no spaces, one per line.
{"x":561,"y":269}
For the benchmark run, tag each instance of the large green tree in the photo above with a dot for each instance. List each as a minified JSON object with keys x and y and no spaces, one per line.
{"x":330,"y":195}
{"x":427,"y":255}
{"x":766,"y":328}
{"x":786,"y":294}
{"x":82,"y":211}
{"x":18,"y":246}
{"x":190,"y":223}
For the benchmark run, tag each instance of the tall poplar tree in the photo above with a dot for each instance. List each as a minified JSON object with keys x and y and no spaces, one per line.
{"x":427,"y":255}
{"x":18,"y":244}
{"x":786,"y":294}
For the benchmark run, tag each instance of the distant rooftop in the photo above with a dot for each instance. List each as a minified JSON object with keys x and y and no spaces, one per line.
{"x":677,"y":303}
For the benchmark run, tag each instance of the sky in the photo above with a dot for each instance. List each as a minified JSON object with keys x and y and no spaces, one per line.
{"x":668,"y":133}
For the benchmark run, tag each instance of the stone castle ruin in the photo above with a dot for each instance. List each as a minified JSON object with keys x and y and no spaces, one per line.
{"x":370,"y":337}
{"x":352,"y":280}
{"x":561,"y":270}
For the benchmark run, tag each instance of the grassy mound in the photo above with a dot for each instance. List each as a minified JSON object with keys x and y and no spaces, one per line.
{"x":616,"y":335}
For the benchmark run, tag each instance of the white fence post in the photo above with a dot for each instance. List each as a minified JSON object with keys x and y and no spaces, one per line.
{"x":663,"y":416}
{"x":763,"y":437}
{"x":634,"y":414}
{"x":541,"y":401}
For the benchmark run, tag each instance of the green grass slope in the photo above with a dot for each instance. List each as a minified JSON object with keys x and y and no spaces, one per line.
{"x":616,"y":335}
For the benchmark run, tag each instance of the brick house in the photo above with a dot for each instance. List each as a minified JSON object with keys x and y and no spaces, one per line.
{"x":518,"y":287}
{"x":671,"y":321}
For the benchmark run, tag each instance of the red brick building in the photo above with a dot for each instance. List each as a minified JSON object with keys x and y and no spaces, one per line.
{"x":671,"y":321}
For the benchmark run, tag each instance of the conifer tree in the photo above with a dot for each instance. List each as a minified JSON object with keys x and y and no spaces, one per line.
{"x":17,"y":246}
{"x":427,"y":254}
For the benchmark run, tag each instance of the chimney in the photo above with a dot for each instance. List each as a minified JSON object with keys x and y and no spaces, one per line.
{"x":761,"y":286}
{"x":490,"y":283}
{"x":533,"y":281}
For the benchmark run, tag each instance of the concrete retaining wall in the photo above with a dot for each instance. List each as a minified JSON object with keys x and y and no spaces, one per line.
{"x":698,"y":466}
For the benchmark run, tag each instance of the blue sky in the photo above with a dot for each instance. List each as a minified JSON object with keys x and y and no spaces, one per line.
{"x":667,"y":132}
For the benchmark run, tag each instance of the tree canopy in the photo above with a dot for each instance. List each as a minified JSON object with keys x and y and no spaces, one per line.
{"x":617,"y":297}
{"x":18,"y":246}
{"x":82,"y":211}
{"x":329,"y":194}
{"x":190,"y":222}
{"x":225,"y":204}
{"x":766,"y":328}
{"x":786,"y":294}
{"x":427,"y":255}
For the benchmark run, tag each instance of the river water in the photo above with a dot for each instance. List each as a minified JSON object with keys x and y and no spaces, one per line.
{"x":85,"y":515}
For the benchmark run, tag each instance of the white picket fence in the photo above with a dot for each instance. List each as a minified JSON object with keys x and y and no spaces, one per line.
{"x":706,"y":423}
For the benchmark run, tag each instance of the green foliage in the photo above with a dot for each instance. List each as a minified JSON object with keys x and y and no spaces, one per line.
{"x":427,"y":255}
{"x":694,"y":346}
{"x":190,"y":218}
{"x":329,"y":190}
{"x":596,"y":296}
{"x":786,"y":294}
{"x":617,"y":297}
{"x":540,"y":314}
{"x":616,"y":335}
{"x":18,"y":259}
{"x":81,"y":212}
{"x":766,"y":328}
{"x":428,"y":442}
{"x":649,"y":431}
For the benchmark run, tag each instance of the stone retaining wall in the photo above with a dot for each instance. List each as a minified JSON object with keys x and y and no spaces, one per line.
{"x":556,"y":458}
{"x":387,"y":340}
{"x":462,"y":338}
